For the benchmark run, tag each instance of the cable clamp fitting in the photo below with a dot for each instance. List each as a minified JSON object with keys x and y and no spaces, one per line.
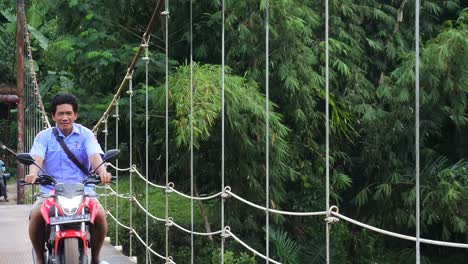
{"x":169,"y":222}
{"x":165,"y":13}
{"x":226,"y":232}
{"x":169,"y":260}
{"x":331,"y":219}
{"x":170,"y":187}
{"x":128,"y":76}
{"x":226,"y":193}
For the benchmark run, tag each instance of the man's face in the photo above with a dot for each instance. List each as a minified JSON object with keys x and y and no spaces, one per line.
{"x":65,"y":117}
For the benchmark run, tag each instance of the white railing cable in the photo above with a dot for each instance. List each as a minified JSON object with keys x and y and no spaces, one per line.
{"x":170,"y":222}
{"x":147,"y":212}
{"x":273,"y":210}
{"x":117,"y":221}
{"x":193,"y":232}
{"x":118,"y":194}
{"x":168,"y":259}
{"x":228,"y":231}
{"x":194,"y":197}
{"x":170,"y":187}
{"x":134,"y":169}
{"x":394,"y":234}
{"x":115,"y":167}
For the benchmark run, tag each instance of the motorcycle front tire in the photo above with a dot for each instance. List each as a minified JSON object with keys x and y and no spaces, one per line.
{"x":73,"y":253}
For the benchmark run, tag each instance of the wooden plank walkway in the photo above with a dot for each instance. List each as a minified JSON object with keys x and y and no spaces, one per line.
{"x":15,"y":246}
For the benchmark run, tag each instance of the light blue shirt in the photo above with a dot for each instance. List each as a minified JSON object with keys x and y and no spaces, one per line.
{"x":81,"y":142}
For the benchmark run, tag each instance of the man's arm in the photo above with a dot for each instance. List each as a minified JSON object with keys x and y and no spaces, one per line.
{"x":96,"y":160}
{"x":34,"y":170}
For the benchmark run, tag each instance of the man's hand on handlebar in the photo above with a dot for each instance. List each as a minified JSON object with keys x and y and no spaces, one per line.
{"x":105,"y":176}
{"x":31,"y":178}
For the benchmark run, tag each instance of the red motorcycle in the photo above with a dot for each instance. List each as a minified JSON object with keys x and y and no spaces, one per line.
{"x":69,"y":214}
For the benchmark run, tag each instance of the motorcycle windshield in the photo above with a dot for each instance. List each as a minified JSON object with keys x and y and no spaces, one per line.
{"x":69,"y":190}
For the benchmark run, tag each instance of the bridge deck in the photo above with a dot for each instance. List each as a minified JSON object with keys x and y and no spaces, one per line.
{"x":15,"y":246}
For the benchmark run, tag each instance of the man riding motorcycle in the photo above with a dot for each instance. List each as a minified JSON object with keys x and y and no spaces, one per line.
{"x":50,"y":154}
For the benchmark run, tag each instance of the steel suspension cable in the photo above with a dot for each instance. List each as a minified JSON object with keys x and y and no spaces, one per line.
{"x":166,"y":36}
{"x":105,"y":131}
{"x":117,"y":118}
{"x":327,"y":127}
{"x":130,"y":93}
{"x":223,"y":11}
{"x":146,"y":60}
{"x":267,"y":129}
{"x":191,"y":132}
{"x":34,"y":81}
{"x":418,"y":206}
{"x":131,"y":68}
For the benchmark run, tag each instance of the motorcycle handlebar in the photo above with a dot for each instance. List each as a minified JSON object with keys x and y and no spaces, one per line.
{"x":49,"y":180}
{"x":42,"y":180}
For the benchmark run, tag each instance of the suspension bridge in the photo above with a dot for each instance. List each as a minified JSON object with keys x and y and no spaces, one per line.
{"x":113,"y":196}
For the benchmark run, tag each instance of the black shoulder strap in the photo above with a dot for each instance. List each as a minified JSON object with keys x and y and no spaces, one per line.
{"x":69,"y":153}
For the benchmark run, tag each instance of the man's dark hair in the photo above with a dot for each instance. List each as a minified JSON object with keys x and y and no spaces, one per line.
{"x":64,"y":98}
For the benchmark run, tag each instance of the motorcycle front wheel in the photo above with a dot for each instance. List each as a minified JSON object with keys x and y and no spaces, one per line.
{"x":73,"y":252}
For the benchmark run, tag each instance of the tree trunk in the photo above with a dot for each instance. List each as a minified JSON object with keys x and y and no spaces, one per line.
{"x":203,"y":213}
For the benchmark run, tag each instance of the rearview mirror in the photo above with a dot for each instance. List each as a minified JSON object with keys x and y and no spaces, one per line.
{"x":25,"y":158}
{"x":111,"y":155}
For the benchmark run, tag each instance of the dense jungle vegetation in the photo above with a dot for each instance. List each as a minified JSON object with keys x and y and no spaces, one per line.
{"x":85,"y":47}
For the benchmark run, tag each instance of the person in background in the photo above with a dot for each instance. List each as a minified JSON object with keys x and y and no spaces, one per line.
{"x":3,"y":178}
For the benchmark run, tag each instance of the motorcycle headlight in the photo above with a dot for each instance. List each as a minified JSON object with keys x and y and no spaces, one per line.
{"x":69,"y":206}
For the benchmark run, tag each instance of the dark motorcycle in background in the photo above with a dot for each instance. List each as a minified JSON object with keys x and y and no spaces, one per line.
{"x":69,"y":214}
{"x":3,"y":179}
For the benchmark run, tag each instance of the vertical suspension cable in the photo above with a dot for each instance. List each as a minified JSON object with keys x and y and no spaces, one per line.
{"x":267,"y":128}
{"x":191,"y":132}
{"x":223,"y":10}
{"x":146,"y":59}
{"x":130,"y":92}
{"x":327,"y":127}
{"x":117,"y":172}
{"x":105,"y":131}
{"x":27,"y":71}
{"x":167,"y":123}
{"x":26,"y":81}
{"x":418,"y":216}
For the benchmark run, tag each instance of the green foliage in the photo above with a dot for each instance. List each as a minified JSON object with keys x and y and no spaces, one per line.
{"x":85,"y":47}
{"x":286,"y":250}
{"x":231,"y":258}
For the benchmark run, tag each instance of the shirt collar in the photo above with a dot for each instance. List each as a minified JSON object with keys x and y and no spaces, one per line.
{"x":75,"y":130}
